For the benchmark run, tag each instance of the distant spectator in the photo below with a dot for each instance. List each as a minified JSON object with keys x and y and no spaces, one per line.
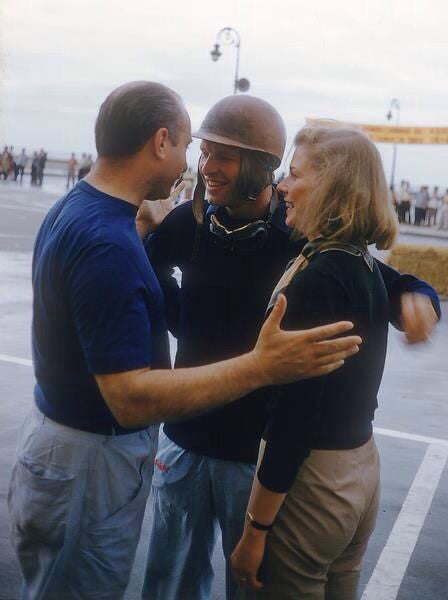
{"x":82,"y":166}
{"x":393,"y":197}
{"x":89,"y":164}
{"x":433,"y":207}
{"x":421,"y":205}
{"x":6,"y":163}
{"x":397,"y":203}
{"x":404,"y":203}
{"x":71,"y":170}
{"x":12,"y":165}
{"x":42,"y":159}
{"x":34,"y":169}
{"x":3,"y":162}
{"x":443,"y":223}
{"x":21,"y":162}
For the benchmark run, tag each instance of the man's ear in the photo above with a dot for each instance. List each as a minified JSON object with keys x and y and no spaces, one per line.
{"x":159,"y":143}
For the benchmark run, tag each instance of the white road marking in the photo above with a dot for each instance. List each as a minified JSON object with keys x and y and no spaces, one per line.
{"x":410,"y":436}
{"x":391,"y":567}
{"x":21,"y":208}
{"x":16,"y":360}
{"x":422,"y":371}
{"x":16,"y":236}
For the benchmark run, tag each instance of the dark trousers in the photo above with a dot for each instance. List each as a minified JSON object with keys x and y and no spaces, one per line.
{"x":420,"y":215}
{"x":404,"y":212}
{"x":19,"y":170}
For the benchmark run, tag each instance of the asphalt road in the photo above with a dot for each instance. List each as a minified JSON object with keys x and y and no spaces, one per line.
{"x":407,"y":555}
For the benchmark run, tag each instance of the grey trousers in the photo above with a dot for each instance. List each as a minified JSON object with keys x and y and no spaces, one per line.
{"x":315,"y":549}
{"x":76,"y":502}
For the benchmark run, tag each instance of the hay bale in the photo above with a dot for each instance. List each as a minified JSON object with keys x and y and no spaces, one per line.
{"x":426,"y":262}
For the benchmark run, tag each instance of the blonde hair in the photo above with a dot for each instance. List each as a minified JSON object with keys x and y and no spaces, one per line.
{"x":349,"y":200}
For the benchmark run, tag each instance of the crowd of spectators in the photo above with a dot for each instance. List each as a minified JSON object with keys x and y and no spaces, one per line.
{"x":13,"y":165}
{"x":420,"y":206}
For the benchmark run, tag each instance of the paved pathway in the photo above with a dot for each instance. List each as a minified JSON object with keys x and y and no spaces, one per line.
{"x":406,"y":559}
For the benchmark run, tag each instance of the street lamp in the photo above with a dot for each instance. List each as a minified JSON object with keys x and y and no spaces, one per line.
{"x":394,"y":106}
{"x":230,"y":37}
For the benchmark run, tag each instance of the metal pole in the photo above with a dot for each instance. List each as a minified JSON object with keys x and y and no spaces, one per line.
{"x":394,"y":104}
{"x":235,"y":85}
{"x":394,"y":158}
{"x":231,"y":37}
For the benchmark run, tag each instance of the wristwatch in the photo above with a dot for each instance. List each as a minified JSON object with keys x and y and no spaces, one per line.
{"x":256,"y":525}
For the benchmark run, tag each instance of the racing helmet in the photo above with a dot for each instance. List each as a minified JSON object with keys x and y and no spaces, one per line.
{"x":256,"y":127}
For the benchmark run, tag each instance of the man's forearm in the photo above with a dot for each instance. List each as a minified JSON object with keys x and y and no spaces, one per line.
{"x":164,"y":395}
{"x":141,"y":396}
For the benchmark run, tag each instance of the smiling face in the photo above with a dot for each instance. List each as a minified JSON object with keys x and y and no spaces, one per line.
{"x":219,"y":166}
{"x":296,"y":187}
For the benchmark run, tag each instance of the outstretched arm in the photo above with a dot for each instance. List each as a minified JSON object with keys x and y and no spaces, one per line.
{"x":142,"y":396}
{"x":414,"y":304}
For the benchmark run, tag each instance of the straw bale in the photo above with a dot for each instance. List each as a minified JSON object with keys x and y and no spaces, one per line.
{"x":426,"y":262}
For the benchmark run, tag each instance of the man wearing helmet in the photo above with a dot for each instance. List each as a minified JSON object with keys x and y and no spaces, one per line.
{"x":231,"y":252}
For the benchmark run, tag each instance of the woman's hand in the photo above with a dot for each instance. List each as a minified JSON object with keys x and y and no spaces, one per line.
{"x":246,"y":558}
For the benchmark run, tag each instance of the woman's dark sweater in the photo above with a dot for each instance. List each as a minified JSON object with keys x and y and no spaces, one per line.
{"x":334,"y":411}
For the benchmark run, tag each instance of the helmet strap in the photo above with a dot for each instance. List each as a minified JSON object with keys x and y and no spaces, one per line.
{"x":198,"y":198}
{"x":255,"y":175}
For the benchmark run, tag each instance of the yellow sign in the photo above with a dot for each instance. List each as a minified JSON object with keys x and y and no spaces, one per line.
{"x":406,"y":135}
{"x":394,"y":134}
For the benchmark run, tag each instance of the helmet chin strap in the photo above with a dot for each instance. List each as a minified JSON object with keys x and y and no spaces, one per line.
{"x":253,"y":196}
{"x":198,"y":198}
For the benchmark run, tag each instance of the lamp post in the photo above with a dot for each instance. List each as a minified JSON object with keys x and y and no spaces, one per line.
{"x":394,"y":105}
{"x":230,"y":37}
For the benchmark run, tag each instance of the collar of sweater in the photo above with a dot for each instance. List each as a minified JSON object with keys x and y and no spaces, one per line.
{"x":321,"y":244}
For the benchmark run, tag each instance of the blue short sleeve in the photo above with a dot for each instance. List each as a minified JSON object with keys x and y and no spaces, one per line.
{"x":109,"y":304}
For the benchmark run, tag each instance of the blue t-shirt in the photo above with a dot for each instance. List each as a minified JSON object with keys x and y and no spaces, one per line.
{"x":97,"y":306}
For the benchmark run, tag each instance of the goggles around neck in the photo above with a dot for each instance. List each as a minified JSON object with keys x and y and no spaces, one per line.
{"x":246,"y":238}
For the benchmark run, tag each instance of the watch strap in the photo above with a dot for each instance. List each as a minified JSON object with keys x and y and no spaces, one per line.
{"x":256,"y":525}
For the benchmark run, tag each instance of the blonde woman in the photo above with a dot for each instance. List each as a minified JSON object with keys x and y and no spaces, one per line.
{"x":315,"y":497}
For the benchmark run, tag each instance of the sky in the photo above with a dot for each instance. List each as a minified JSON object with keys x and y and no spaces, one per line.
{"x":345,"y":60}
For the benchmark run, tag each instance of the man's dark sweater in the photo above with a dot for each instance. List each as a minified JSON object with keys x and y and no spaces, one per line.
{"x":217,"y":314}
